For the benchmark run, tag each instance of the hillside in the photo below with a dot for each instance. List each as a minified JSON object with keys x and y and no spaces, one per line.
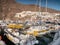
{"x":8,"y":8}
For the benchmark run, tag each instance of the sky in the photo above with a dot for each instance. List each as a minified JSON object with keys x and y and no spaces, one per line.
{"x":54,"y":4}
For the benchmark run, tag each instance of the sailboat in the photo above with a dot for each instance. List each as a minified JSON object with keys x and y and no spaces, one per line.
{"x":17,"y":38}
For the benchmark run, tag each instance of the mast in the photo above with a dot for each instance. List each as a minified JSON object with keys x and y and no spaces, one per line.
{"x":39,"y":7}
{"x":39,"y":4}
{"x":46,"y":5}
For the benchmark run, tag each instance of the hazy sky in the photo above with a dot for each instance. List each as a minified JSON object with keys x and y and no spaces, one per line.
{"x":54,"y":4}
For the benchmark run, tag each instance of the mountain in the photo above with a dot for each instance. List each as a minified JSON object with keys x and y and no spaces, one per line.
{"x":8,"y":8}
